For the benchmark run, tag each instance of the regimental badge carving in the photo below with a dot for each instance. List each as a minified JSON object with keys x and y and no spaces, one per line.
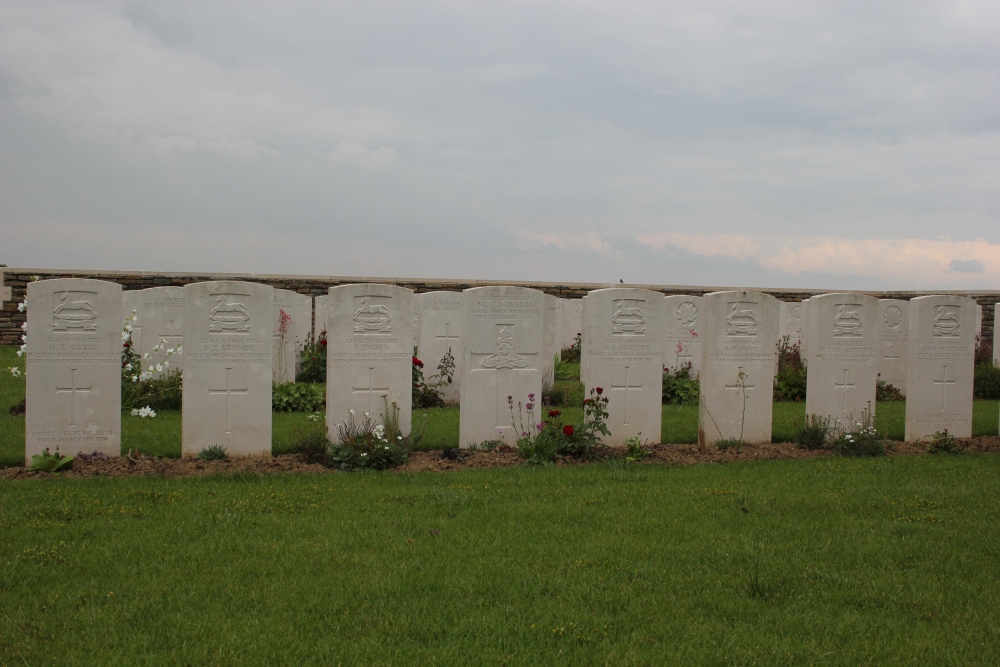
{"x":687,"y":314}
{"x":796,"y":312}
{"x":947,"y":322}
{"x":74,"y":312}
{"x":742,"y":319}
{"x":228,"y":316}
{"x":627,"y":318}
{"x":505,"y":356}
{"x":371,"y":317}
{"x":847,"y":320}
{"x":892,"y":317}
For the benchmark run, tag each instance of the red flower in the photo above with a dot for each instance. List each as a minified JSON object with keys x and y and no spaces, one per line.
{"x":554,"y":413}
{"x":568,"y":431}
{"x":599,"y":390}
{"x":418,"y":363}
{"x":587,"y":401}
{"x":322,"y":341}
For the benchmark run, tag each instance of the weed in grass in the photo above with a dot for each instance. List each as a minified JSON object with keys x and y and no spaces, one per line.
{"x":814,"y":433}
{"x":214,"y":453}
{"x":944,"y":443}
{"x":635,"y":449}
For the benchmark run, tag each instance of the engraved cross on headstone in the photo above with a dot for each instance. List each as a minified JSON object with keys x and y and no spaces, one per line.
{"x":741,"y":384}
{"x":168,"y":336}
{"x":846,"y":386}
{"x":626,"y":388}
{"x":229,"y":391}
{"x":371,"y":389}
{"x":73,"y":390}
{"x":447,"y":338}
{"x":943,"y":383}
{"x":501,"y":375}
{"x":684,"y":355}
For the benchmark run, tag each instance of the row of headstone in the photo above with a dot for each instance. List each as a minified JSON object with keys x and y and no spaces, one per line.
{"x":498,"y":336}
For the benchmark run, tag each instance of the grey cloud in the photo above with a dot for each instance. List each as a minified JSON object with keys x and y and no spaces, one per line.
{"x":967,"y":266}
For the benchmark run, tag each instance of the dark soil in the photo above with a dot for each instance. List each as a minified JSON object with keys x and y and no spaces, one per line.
{"x":438,"y":461}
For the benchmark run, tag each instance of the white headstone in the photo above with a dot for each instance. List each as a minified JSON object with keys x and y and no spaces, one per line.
{"x":792,"y":321}
{"x":739,"y":332}
{"x":842,"y":330}
{"x":441,"y":323}
{"x":572,"y":322}
{"x":550,"y":335}
{"x":228,"y":328}
{"x":162,"y":315}
{"x":320,"y":325}
{"x":803,"y":340}
{"x":941,"y":366}
{"x":683,"y":327}
{"x":979,"y":322}
{"x":131,"y":302}
{"x":893,"y":341}
{"x":73,"y":367}
{"x":624,"y":332}
{"x":369,"y":353}
{"x":996,"y":332}
{"x":583,"y":338}
{"x":290,"y":333}
{"x":502,"y":356}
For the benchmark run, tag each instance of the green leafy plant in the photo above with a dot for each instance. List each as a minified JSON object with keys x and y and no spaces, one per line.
{"x":53,"y":463}
{"x":885,"y":392}
{"x":679,"y":387}
{"x":572,"y":353}
{"x":313,"y":365}
{"x":298,"y":397}
{"x":368,"y":444}
{"x":730,"y":443}
{"x":428,"y":393}
{"x":984,"y":351}
{"x":484,"y":446}
{"x":814,"y":432}
{"x":214,"y":453}
{"x":544,"y":441}
{"x":944,"y":443}
{"x":634,"y":449}
{"x":858,"y":437}
{"x":986,"y":382}
{"x":790,"y":382}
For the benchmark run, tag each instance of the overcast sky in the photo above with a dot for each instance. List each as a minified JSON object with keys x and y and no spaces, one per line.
{"x":779,"y":144}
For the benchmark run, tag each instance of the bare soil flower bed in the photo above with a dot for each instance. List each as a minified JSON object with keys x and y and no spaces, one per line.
{"x":435,"y":461}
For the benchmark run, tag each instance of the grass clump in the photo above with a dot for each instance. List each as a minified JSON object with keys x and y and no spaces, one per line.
{"x":730,"y":443}
{"x":214,"y":453}
{"x":814,"y":433}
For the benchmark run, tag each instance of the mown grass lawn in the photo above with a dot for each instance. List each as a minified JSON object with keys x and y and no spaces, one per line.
{"x":161,"y":436}
{"x":825,"y":561}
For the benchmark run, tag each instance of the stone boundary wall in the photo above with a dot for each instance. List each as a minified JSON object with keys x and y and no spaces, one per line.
{"x":14,"y":280}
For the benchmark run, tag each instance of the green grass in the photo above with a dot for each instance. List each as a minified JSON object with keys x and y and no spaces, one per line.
{"x":161,"y":435}
{"x":830,"y":561}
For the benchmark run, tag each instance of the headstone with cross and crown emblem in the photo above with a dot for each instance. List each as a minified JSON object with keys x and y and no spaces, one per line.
{"x":502,"y":357}
{"x":227,"y":370}
{"x":739,"y":334}
{"x":842,"y":330}
{"x":941,"y":366}
{"x":683,"y":333}
{"x":292,"y":328}
{"x":73,"y":367}
{"x":623,"y":332}
{"x":369,"y":353}
{"x":161,"y":312}
{"x":893,"y":340}
{"x":440,"y":333}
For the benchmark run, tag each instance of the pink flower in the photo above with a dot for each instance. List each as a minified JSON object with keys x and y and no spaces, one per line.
{"x":284,"y":319}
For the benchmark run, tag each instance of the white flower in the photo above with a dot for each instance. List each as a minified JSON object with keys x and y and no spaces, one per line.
{"x":379,"y":431}
{"x":20,"y":351}
{"x":166,"y":364}
{"x":399,"y":437}
{"x":179,"y":347}
{"x":368,"y":414}
{"x":21,"y":307}
{"x":146,"y":356}
{"x":128,"y":367}
{"x":24,"y":338}
{"x":170,"y":351}
{"x":128,"y":327}
{"x":24,"y":326}
{"x":15,"y":371}
{"x":351,"y":411}
{"x":134,"y":412}
{"x":159,"y":368}
{"x":135,"y":378}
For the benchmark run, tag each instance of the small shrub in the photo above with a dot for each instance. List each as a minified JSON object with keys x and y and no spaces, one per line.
{"x":214,"y":453}
{"x":679,"y":387}
{"x":885,"y":392}
{"x":944,"y":443}
{"x":368,"y":444}
{"x":427,"y":393}
{"x":730,"y":443}
{"x":53,"y":463}
{"x":814,"y":433}
{"x":544,"y":441}
{"x":298,"y":397}
{"x":859,"y":437}
{"x":790,"y":382}
{"x":572,"y":353}
{"x":984,"y":352}
{"x":313,"y":365}
{"x":312,"y":444}
{"x":986,"y":382}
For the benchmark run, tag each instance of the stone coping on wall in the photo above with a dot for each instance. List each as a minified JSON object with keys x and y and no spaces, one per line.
{"x":13,"y":281}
